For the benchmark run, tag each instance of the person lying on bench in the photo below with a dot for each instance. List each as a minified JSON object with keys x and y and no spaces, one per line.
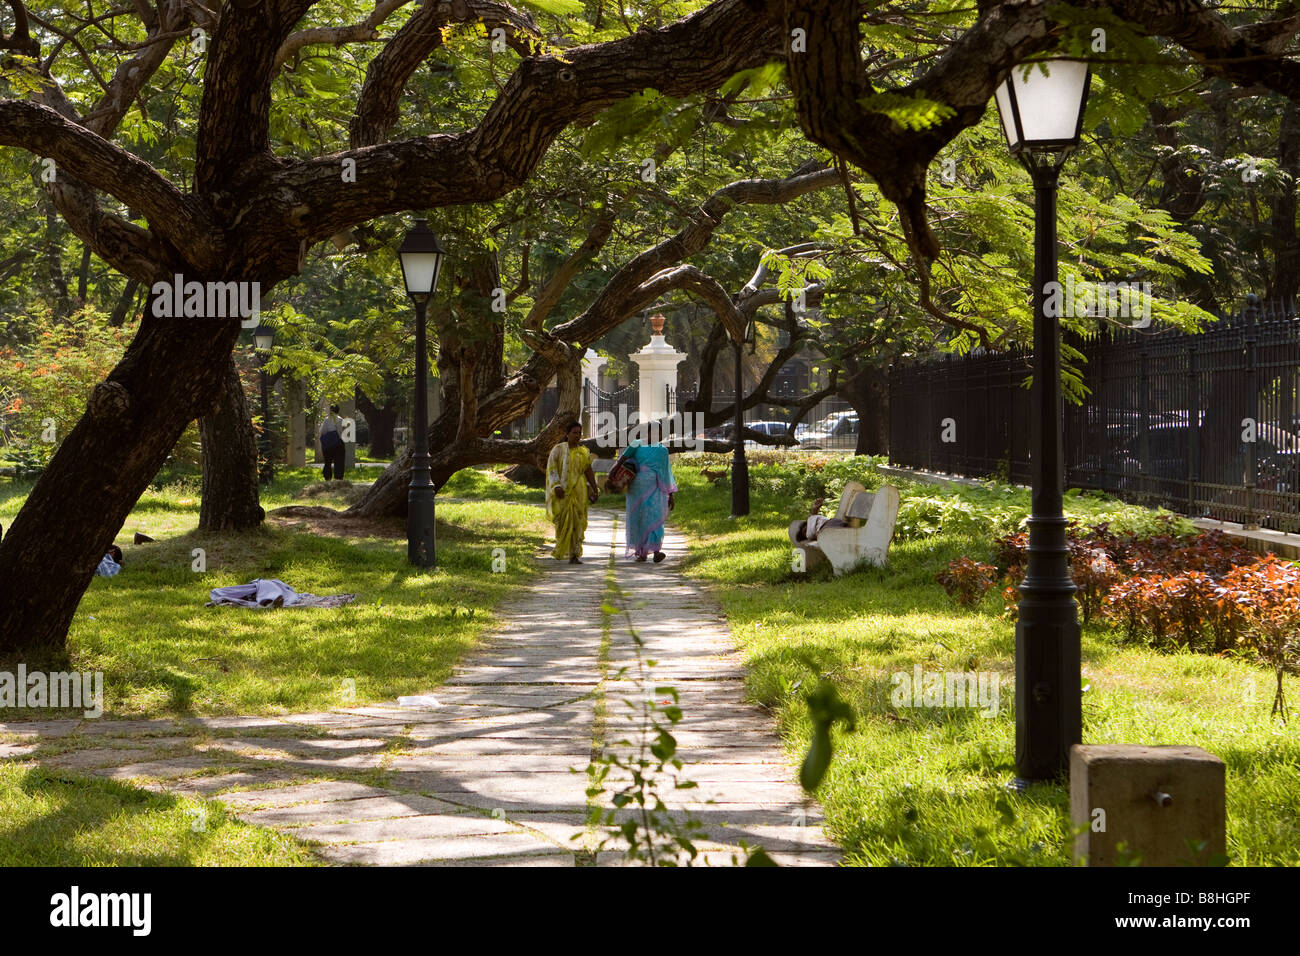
{"x":809,"y":529}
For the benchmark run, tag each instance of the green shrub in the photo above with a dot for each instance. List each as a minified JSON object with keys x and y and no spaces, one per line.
{"x":989,"y":509}
{"x":795,"y":477}
{"x":45,"y":382}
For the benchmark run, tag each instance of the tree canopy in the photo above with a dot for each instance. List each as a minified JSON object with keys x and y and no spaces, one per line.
{"x":589,"y":160}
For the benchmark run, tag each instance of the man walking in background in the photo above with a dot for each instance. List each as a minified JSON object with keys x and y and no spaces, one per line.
{"x":331,"y":444}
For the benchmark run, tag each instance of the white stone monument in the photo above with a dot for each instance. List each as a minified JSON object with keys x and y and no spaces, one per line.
{"x":591,"y":366}
{"x":657,"y":363}
{"x":592,"y":363}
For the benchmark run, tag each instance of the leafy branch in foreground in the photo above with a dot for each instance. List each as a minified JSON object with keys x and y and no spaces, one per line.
{"x":648,"y":764}
{"x":824,"y":708}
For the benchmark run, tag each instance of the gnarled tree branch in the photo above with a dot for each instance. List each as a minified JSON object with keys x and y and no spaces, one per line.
{"x":367,"y":31}
{"x":98,"y":163}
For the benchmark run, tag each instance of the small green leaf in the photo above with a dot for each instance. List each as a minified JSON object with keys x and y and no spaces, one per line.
{"x":817,"y":760}
{"x":1005,"y":811}
{"x":758,"y":857}
{"x":909,"y":112}
{"x":665,"y":747}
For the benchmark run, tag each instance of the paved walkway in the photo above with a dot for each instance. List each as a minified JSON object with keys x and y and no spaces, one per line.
{"x":495,"y":774}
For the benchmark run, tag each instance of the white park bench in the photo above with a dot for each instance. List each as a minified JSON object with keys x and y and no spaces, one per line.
{"x":846,"y":548}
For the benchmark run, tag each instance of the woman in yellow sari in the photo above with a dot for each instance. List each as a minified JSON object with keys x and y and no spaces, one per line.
{"x":566,"y":500}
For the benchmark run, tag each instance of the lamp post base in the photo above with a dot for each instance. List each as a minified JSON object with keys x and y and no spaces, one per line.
{"x":1048,"y":691}
{"x":420,"y":549}
{"x":739,"y":487}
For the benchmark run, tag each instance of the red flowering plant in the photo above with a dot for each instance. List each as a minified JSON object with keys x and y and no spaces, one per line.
{"x":967,"y":581}
{"x":1094,"y":573}
{"x":1011,"y":596}
{"x":1166,"y":581}
{"x":1204,"y":592}
{"x":1267,"y":596}
{"x":45,"y":383}
{"x":1142,"y":606}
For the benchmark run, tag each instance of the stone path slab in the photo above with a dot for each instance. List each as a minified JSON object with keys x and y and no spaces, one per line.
{"x":494,"y":774}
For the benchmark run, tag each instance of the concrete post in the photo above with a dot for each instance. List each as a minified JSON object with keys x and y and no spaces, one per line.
{"x":1158,"y":806}
{"x":591,"y":366}
{"x":657,"y":363}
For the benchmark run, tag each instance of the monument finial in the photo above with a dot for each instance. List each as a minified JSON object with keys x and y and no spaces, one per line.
{"x":657,"y":323}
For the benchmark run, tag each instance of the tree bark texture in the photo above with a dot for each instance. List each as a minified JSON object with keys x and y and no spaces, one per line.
{"x":166,"y":379}
{"x":229,"y":454}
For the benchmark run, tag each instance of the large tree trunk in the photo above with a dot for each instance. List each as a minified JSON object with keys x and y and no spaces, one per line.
{"x":166,"y":379}
{"x":296,"y":392}
{"x":382,"y":421}
{"x":1285,"y":281}
{"x":866,"y":388}
{"x":230,"y":501}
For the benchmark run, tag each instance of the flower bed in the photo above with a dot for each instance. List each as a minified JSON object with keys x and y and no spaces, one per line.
{"x":1204,"y":592}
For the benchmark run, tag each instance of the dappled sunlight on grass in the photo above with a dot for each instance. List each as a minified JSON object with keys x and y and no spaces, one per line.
{"x":928,"y":785}
{"x":47,"y":820}
{"x":164,"y":653}
{"x":489,"y":483}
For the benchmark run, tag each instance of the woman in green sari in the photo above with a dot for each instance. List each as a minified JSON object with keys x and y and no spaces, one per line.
{"x":568,"y":467}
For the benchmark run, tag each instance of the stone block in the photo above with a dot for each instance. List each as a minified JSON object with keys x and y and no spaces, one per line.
{"x":1158,"y":805}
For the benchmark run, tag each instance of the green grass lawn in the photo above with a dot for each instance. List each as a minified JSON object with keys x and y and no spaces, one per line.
{"x":53,"y":819}
{"x":907,"y":786}
{"x":921,"y":786}
{"x":164,"y":654}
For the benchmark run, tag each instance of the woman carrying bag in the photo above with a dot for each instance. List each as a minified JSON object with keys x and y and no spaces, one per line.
{"x":646,"y":472}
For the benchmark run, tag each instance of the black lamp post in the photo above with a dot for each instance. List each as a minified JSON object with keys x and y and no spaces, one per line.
{"x":1042,"y":116}
{"x":421,"y":255}
{"x":263,"y":339}
{"x":740,"y":467}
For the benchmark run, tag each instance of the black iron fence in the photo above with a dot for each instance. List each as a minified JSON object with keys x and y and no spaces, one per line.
{"x":601,"y":409}
{"x":963,"y":416}
{"x":1203,"y":423}
{"x":528,"y":426}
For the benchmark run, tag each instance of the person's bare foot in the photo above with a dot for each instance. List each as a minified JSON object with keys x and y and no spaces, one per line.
{"x":640,"y":557}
